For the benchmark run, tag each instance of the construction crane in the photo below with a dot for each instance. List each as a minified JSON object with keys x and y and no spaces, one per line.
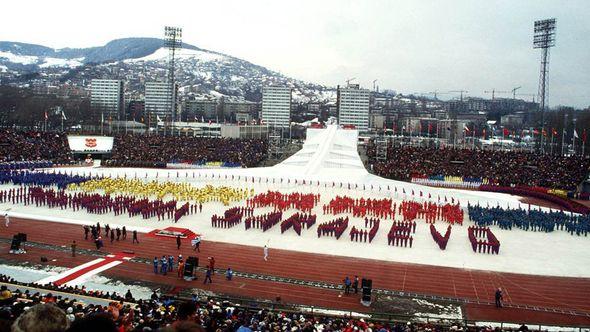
{"x":494,"y":91}
{"x":514,"y":92}
{"x":459,"y":91}
{"x":350,"y":79}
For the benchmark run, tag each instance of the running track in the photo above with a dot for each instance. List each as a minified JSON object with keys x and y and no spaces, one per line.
{"x":527,"y":290}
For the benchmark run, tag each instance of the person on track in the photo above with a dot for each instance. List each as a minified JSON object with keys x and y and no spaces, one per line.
{"x":208,"y":276}
{"x":265,"y":252}
{"x":197,"y":243}
{"x":178,"y":242}
{"x":135,"y":237}
{"x":498,"y":297}
{"x":6,"y":219}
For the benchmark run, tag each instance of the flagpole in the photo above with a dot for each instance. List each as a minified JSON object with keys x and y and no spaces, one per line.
{"x":574,"y":141}
{"x":464,"y":138}
{"x":562,"y":141}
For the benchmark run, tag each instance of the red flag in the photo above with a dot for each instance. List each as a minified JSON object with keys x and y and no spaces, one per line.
{"x":535,"y":132}
{"x":506,"y":132}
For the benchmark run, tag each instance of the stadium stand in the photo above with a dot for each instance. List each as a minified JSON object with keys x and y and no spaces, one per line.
{"x":34,"y":145}
{"x":505,"y":168}
{"x":194,"y":150}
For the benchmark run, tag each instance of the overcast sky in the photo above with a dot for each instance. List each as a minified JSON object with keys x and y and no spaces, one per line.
{"x":408,"y":46}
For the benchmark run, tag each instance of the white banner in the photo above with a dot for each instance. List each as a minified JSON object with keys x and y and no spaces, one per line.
{"x":90,"y":143}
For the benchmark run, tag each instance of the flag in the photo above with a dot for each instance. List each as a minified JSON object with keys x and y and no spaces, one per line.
{"x":46,"y":116}
{"x":553,"y":132}
{"x":506,"y":132}
{"x":158,"y":118}
{"x":466,"y":128}
{"x":535,"y":132}
{"x":576,"y":134}
{"x":63,"y":115}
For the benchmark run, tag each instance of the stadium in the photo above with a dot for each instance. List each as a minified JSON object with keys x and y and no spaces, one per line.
{"x":315,"y":241}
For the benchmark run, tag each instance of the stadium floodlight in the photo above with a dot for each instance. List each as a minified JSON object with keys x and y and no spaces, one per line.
{"x":544,"y":38}
{"x":172,"y":41}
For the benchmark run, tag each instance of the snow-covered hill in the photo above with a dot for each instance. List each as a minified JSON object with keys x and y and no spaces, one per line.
{"x":137,"y":60}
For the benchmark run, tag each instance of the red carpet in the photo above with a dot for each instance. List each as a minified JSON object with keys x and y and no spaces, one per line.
{"x":118,"y":257}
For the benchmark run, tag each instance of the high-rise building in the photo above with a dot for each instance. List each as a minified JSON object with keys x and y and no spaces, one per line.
{"x":107,"y":98}
{"x":276,"y":106}
{"x":159,"y":100}
{"x":353,"y":107}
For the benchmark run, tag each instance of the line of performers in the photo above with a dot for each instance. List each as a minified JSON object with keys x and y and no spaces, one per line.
{"x":439,"y":239}
{"x":399,"y":234}
{"x":97,"y":203}
{"x":231,"y":218}
{"x":264,"y":221}
{"x":298,"y":221}
{"x":483,"y":240}
{"x":334,"y":227}
{"x":282,"y":202}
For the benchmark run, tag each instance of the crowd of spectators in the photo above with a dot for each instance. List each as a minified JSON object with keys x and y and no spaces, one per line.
{"x":45,"y":308}
{"x":146,"y":150}
{"x":44,"y":311}
{"x":18,"y":145}
{"x":505,"y":168}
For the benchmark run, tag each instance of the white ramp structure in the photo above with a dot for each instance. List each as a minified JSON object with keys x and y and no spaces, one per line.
{"x":326,"y":152}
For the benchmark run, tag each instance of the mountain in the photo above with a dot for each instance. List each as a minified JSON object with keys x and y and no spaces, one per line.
{"x":199,"y":72}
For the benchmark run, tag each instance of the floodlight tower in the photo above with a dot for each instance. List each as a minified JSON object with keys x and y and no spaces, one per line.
{"x":173,"y":41}
{"x":544,"y":38}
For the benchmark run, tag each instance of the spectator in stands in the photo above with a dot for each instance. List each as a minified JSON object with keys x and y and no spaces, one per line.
{"x":41,"y":318}
{"x":501,"y":167}
{"x":34,"y":145}
{"x":156,"y":151}
{"x":94,"y":323}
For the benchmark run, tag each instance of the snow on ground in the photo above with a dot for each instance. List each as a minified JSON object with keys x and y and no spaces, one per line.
{"x":162,"y":54}
{"x":22,"y":59}
{"x":331,"y":312}
{"x":450,"y":312}
{"x":27,"y":274}
{"x":329,"y":156}
{"x":57,"y":62}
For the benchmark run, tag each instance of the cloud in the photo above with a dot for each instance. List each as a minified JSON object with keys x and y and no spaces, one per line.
{"x":408,"y":46}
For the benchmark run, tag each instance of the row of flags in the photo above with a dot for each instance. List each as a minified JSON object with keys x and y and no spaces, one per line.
{"x":505,"y":132}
